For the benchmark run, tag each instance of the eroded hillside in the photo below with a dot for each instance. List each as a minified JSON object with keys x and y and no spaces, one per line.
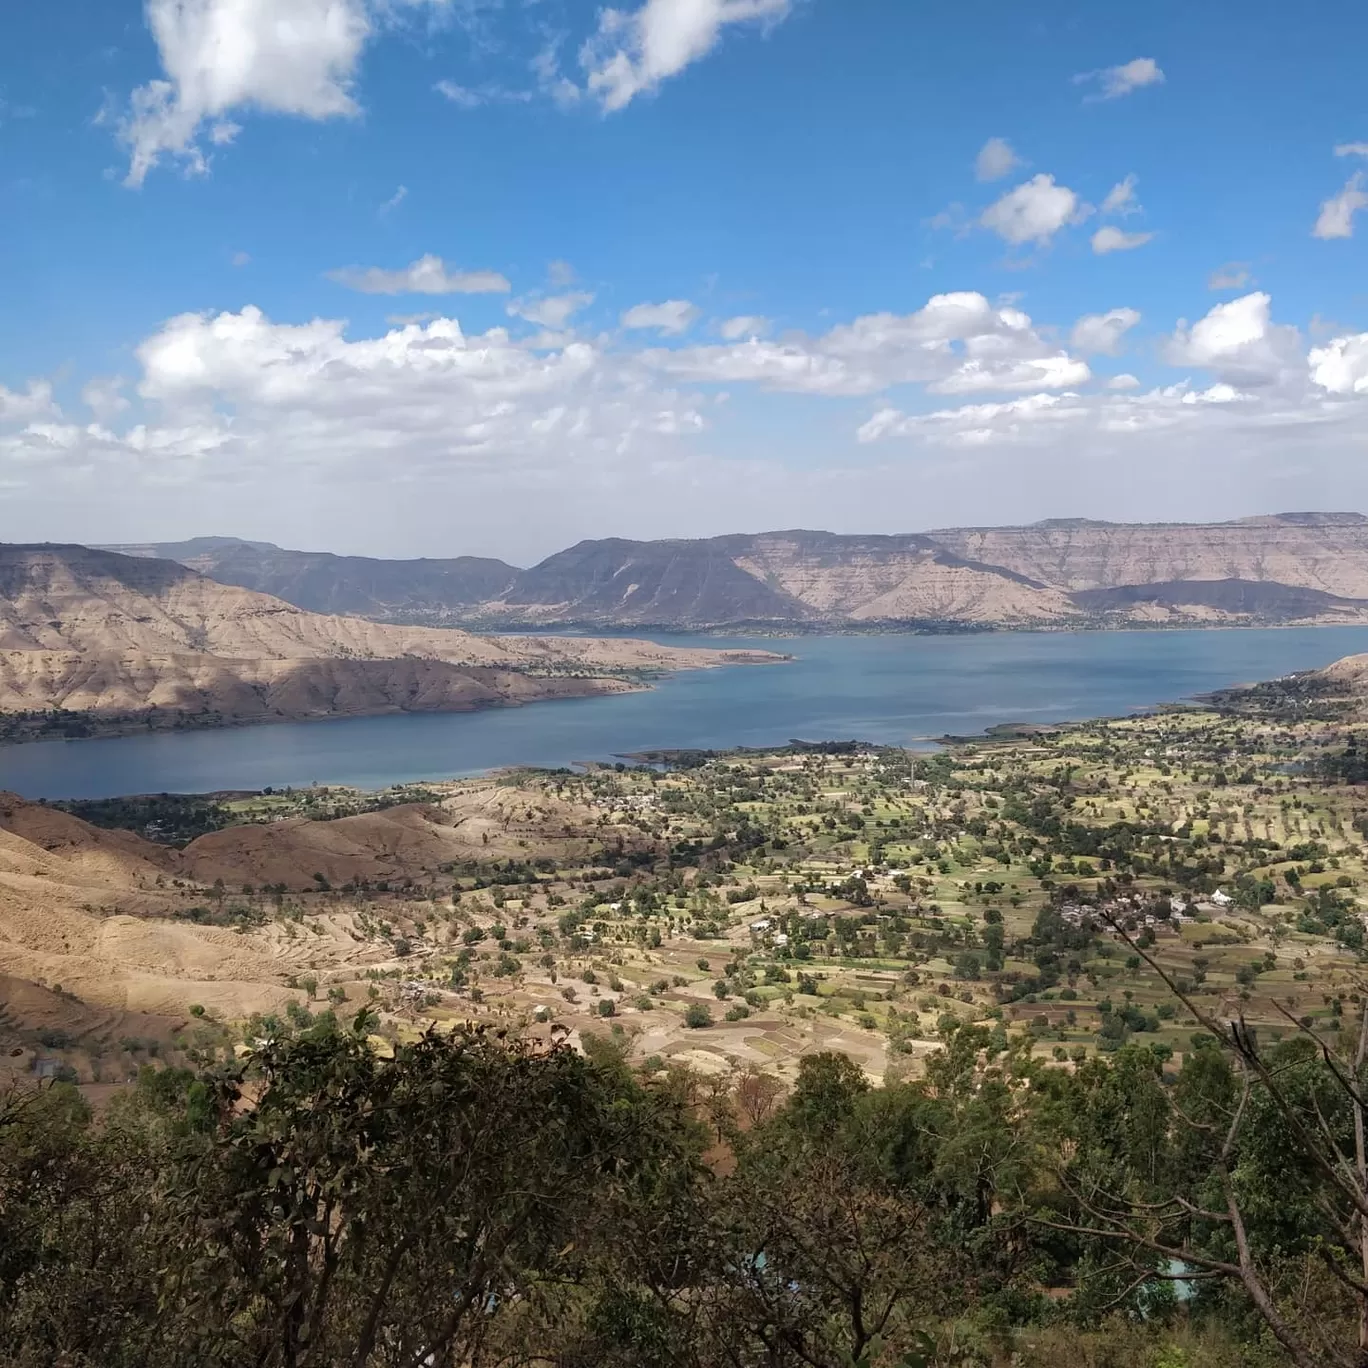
{"x":96,"y":640}
{"x":1285,"y":568}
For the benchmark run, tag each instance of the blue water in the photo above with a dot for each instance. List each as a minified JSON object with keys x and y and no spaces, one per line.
{"x":894,"y":689}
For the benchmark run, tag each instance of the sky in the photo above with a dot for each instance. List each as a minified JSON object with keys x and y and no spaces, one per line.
{"x":446,"y":277}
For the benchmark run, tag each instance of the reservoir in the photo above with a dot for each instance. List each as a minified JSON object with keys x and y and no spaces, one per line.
{"x":889,"y":689}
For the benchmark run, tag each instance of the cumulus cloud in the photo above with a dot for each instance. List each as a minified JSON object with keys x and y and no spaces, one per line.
{"x":1114,"y":82}
{"x":1341,"y":366}
{"x":956,"y":343}
{"x":246,"y":382}
{"x":743,"y":325}
{"x":672,"y":316}
{"x":1239,"y":341}
{"x":284,"y":56}
{"x":1113,"y":239}
{"x":103,"y":396}
{"x":592,"y":436}
{"x":1234,"y":275}
{"x":995,"y":160}
{"x":634,"y":52}
{"x":219,"y":57}
{"x":1034,"y":212}
{"x":1051,"y":372}
{"x":428,"y":275}
{"x":1102,"y":333}
{"x":1336,"y":218}
{"x":35,"y":401}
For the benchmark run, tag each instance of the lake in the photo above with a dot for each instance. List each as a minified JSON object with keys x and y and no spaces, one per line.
{"x":892,"y":689}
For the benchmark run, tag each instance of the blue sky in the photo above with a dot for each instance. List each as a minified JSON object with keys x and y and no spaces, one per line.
{"x":423,"y":277}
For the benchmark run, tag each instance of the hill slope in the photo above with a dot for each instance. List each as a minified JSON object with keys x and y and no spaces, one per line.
{"x":1290,"y":567}
{"x":118,"y":640}
{"x":414,"y":590}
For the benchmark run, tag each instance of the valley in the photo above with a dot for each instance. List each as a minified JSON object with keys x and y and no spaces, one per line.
{"x":726,"y":910}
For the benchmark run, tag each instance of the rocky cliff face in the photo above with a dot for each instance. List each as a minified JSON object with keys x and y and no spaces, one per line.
{"x":1291,"y":567}
{"x":113,"y":639}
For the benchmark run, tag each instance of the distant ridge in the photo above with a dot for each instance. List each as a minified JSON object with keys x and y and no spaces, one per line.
{"x":1295,"y":567}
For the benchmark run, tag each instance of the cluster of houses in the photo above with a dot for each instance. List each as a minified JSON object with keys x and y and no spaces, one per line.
{"x":1181,"y":911}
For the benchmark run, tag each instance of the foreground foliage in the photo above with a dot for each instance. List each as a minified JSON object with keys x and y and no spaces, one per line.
{"x":478,"y":1200}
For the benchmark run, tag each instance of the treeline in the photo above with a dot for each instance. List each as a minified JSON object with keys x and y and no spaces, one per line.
{"x":478,"y":1200}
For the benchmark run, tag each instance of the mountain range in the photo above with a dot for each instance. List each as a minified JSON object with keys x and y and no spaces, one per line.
{"x":94,"y":641}
{"x":1275,"y":569}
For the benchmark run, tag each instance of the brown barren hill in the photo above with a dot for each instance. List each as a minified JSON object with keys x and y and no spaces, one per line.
{"x":120,"y":641}
{"x":122,"y":925}
{"x":1275,"y":569}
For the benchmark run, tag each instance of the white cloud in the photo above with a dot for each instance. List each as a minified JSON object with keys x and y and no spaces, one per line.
{"x":1114,"y":82}
{"x":1050,"y":372}
{"x":239,"y":259}
{"x":550,"y":311}
{"x":1121,"y":198}
{"x":1102,"y":333}
{"x":974,"y":424}
{"x":1341,"y":366}
{"x":1117,"y":416}
{"x":394,"y":201}
{"x":672,"y":316}
{"x":459,"y":94}
{"x":1355,"y":149}
{"x":1234,"y":275}
{"x":34,"y":402}
{"x":468,"y":97}
{"x":560,"y":273}
{"x":552,"y":82}
{"x":1113,"y":239}
{"x":283,"y":56}
{"x":427,"y":275}
{"x":995,"y":160}
{"x":395,"y":444}
{"x":632,"y":53}
{"x":297,"y":57}
{"x":743,"y":325}
{"x":1238,"y":341}
{"x":956,"y":343}
{"x":1336,"y":218}
{"x":1034,"y":212}
{"x":103,"y":396}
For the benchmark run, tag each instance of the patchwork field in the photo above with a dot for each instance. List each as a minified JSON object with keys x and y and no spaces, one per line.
{"x":728,"y":912}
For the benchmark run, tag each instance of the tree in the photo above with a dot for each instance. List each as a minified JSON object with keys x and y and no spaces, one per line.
{"x":697,"y":1016}
{"x":757,"y":1094}
{"x":1252,"y":1170}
